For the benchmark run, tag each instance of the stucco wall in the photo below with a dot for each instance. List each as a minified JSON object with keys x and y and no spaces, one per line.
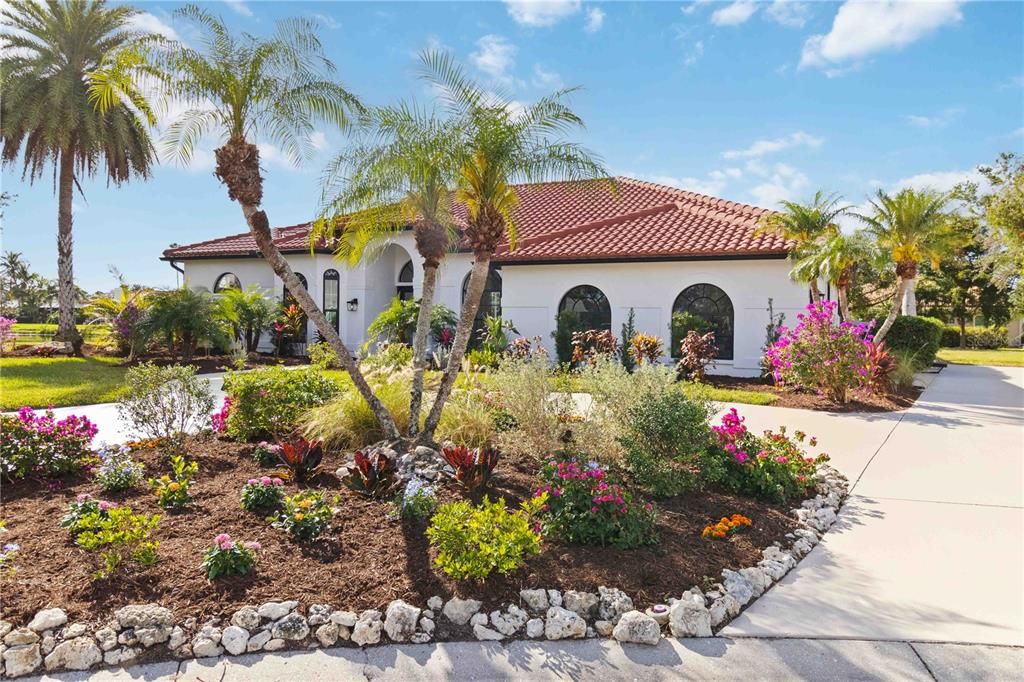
{"x":531,"y":294}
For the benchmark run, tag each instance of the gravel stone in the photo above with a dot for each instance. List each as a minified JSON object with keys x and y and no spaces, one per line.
{"x":235,"y":639}
{"x":80,"y":653}
{"x":292,"y":626}
{"x":564,"y":624}
{"x":459,"y":611}
{"x":48,"y":619}
{"x":246,"y":617}
{"x":638,"y":628}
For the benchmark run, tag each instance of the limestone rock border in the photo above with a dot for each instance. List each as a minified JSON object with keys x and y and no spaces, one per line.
{"x":49,"y":642}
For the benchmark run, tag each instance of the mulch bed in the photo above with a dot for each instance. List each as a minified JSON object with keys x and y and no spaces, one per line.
{"x":860,"y":401}
{"x":364,"y":561}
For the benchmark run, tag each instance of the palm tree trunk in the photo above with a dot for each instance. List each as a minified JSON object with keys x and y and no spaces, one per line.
{"x":419,"y":344}
{"x":910,"y":297}
{"x":894,"y":310}
{"x":66,"y":330}
{"x":844,"y":302}
{"x":470,"y":306}
{"x":815,"y":291}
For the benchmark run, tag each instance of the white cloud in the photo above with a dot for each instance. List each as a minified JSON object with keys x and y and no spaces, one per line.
{"x":318,"y":140}
{"x":861,"y":29}
{"x":495,"y":56}
{"x":595,"y":20}
{"x":327,"y":20}
{"x":539,"y":13}
{"x":546,"y":79}
{"x":789,"y":13}
{"x":763,"y":147}
{"x":939,"y":120}
{"x":734,"y":14}
{"x":240,"y":7}
{"x":144,"y":21}
{"x":693,"y":6}
{"x":710,"y":186}
{"x":695,"y":53}
{"x":940,"y":181}
{"x":784,"y":183}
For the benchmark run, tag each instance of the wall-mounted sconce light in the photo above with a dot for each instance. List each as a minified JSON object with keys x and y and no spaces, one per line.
{"x":352,"y":305}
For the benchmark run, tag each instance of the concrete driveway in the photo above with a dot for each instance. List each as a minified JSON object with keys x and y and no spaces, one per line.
{"x":930,"y":545}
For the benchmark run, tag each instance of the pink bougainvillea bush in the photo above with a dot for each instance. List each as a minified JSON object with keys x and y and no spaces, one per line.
{"x":42,"y":445}
{"x":773,"y":466}
{"x":822,"y":354}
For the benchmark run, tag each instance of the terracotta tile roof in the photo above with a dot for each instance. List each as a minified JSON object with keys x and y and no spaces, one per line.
{"x":560,"y":221}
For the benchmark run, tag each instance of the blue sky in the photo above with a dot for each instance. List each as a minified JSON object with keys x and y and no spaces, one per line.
{"x":754,"y":102}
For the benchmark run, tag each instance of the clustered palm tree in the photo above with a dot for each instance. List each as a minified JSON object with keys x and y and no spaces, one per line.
{"x":70,"y":74}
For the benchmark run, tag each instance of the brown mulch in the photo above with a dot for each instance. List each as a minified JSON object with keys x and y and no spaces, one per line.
{"x":365,"y":560}
{"x":860,"y":401}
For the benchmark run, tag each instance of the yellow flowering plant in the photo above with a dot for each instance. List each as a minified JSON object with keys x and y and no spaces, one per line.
{"x":171,"y":492}
{"x":305,"y":515}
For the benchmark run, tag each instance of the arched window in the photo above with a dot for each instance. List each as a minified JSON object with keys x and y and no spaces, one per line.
{"x":713,"y":305}
{"x":332,"y":284}
{"x":490,"y":303}
{"x":228,"y":280}
{"x":288,"y":300}
{"x":404,"y":283}
{"x":590,"y":304}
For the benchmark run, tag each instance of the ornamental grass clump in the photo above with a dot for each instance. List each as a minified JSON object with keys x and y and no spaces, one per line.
{"x":117,"y":470}
{"x":821,"y":354}
{"x":584,"y":506}
{"x":474,"y":541}
{"x":261,"y":494}
{"x":305,"y":516}
{"x":42,"y":445}
{"x":171,"y":492}
{"x":228,"y":557}
{"x":773,"y":466}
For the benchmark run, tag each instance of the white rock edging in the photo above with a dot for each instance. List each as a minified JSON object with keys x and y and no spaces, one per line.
{"x":49,"y":641}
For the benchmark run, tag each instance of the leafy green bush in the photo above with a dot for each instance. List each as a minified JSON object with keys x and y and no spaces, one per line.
{"x":185,"y":320}
{"x":118,"y":535}
{"x":388,"y":357}
{"x":397,"y":323}
{"x":248,"y":313}
{"x":172,"y":492}
{"x":270,"y":401}
{"x":227,"y":557}
{"x":584,"y":507}
{"x":262,"y":493}
{"x":977,"y":337}
{"x":919,"y":336}
{"x":165,"y":403}
{"x":683,"y":323}
{"x":664,"y":437}
{"x":306,"y":515}
{"x":567,"y":323}
{"x":82,"y":506}
{"x":482,"y":358}
{"x":473,"y":542}
{"x":322,"y":356}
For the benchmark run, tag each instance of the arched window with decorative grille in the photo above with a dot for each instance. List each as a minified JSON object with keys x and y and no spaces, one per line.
{"x":590,"y":304}
{"x":713,"y":305}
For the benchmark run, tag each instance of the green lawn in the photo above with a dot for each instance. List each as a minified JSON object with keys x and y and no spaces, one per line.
{"x":38,"y":382}
{"x":722,"y":394}
{"x":1001,"y":357}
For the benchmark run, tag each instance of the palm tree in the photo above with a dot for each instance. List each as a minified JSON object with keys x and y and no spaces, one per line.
{"x":804,"y":224}
{"x":504,"y":145}
{"x":399,"y":175}
{"x":243,"y":87}
{"x":836,"y":257}
{"x":121,"y":314}
{"x":910,"y":227}
{"x":71,"y":99}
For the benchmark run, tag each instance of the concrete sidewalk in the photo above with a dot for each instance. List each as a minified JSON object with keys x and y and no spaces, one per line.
{"x":691,"y":659}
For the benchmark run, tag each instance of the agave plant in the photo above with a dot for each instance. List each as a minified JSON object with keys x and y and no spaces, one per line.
{"x":374,"y":474}
{"x":302,"y":458}
{"x":472,"y":468}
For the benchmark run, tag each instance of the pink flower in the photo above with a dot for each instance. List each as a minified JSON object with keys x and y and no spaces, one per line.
{"x":252,"y":481}
{"x":266,"y":480}
{"x":105,"y":506}
{"x":223,"y":541}
{"x":252,"y":545}
{"x":277,"y":481}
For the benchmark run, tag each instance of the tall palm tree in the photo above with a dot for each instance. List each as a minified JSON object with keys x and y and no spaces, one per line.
{"x":71,"y":98}
{"x":244,"y":87}
{"x":805,"y":224}
{"x":910,"y":227}
{"x":400,"y":174}
{"x":504,"y":145}
{"x":835,"y":256}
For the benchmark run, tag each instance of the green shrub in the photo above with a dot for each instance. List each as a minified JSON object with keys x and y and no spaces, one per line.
{"x":919,"y":336}
{"x":473,"y":542}
{"x":165,"y":403}
{"x":682,"y":324}
{"x":976,"y":337}
{"x":227,"y":557}
{"x":322,"y":356}
{"x":118,"y":535}
{"x":270,"y":401}
{"x":388,"y":357}
{"x":397,"y":323}
{"x":82,"y":506}
{"x":483,"y":358}
{"x":185,"y":320}
{"x":418,"y":501}
{"x":306,"y":515}
{"x":585,"y":507}
{"x":172,"y":492}
{"x":567,"y":323}
{"x":665,"y":435}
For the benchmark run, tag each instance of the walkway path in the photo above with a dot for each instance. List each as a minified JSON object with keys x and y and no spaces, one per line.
{"x":922,"y":574}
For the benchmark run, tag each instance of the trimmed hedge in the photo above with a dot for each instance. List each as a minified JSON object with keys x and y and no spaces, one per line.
{"x":915,"y":336}
{"x":977,"y":337}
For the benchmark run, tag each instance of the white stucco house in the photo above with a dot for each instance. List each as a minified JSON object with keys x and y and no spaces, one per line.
{"x":648,"y":247}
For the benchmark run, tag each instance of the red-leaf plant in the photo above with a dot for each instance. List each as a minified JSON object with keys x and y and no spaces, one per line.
{"x":472,"y":468}
{"x":374,"y":474}
{"x":302,"y":458}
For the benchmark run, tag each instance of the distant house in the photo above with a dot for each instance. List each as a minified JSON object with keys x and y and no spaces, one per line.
{"x":647,"y":247}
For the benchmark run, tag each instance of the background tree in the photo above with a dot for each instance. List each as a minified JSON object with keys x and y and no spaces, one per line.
{"x":184,"y":320}
{"x":249,"y":311}
{"x":122,"y":312}
{"x":25,"y":295}
{"x":398,"y":175}
{"x":243,"y":87}
{"x":836,"y":257}
{"x":71,"y":98}
{"x":503,"y":145}
{"x":910,"y":227}
{"x":806,"y":225}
